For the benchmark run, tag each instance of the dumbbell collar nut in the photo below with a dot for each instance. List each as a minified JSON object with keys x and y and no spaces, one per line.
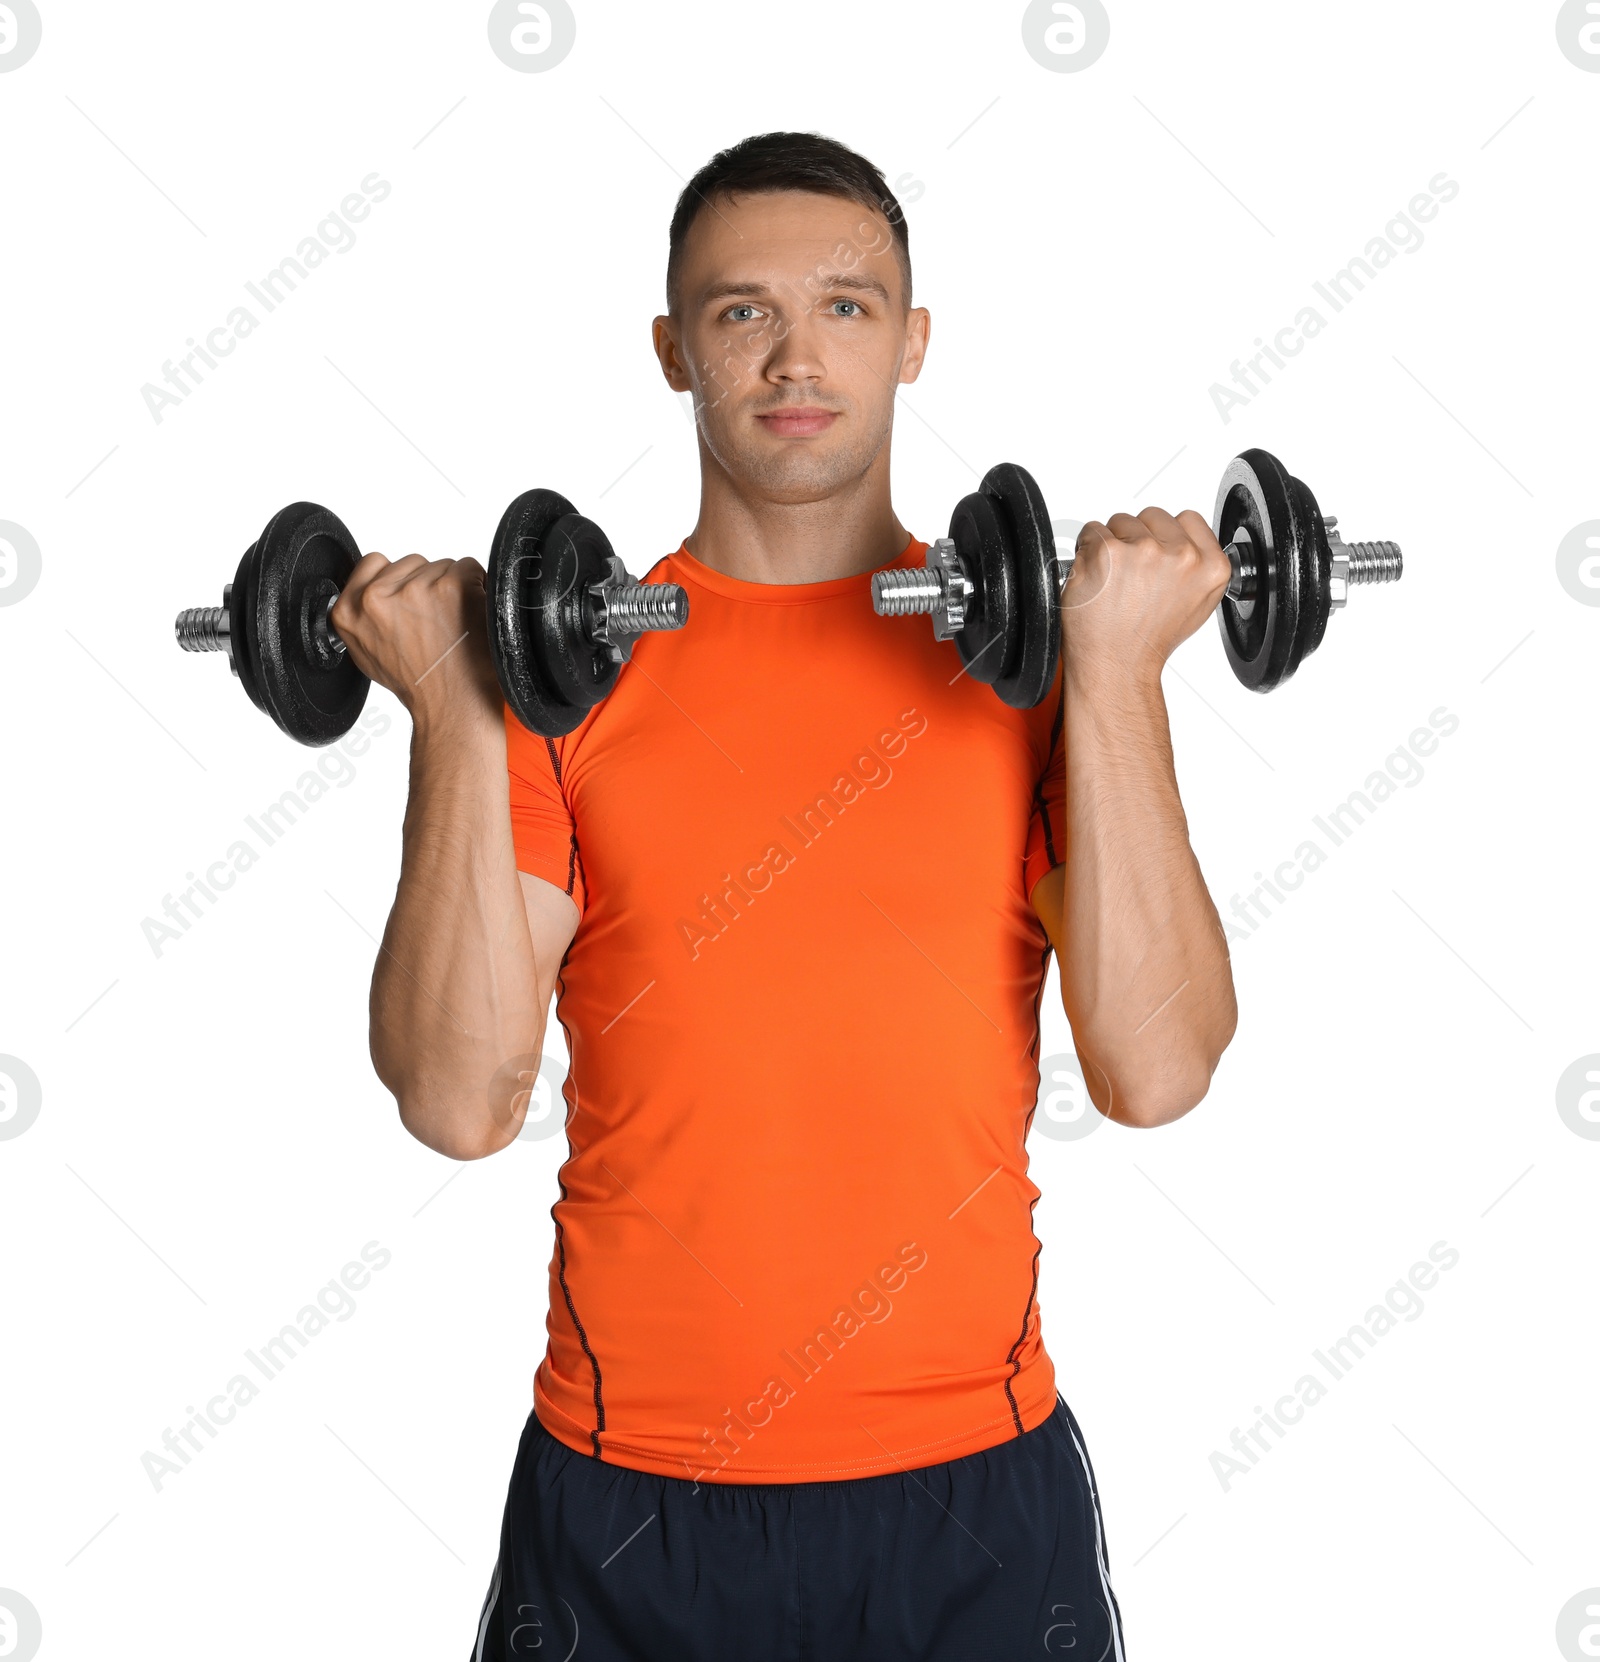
{"x":955,"y":588}
{"x":603,"y":628}
{"x":620,"y":610}
{"x":939,"y":589}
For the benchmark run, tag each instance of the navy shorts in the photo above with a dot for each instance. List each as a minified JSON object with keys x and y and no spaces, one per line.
{"x":999,"y":1554}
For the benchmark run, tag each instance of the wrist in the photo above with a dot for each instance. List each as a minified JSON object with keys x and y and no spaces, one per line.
{"x":457,"y":723}
{"x":1114,"y":678}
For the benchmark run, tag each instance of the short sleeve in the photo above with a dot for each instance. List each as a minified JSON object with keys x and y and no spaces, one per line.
{"x":542,"y":827}
{"x":1047,"y":831}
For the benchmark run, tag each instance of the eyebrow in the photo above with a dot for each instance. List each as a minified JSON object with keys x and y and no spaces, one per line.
{"x":864,"y":282}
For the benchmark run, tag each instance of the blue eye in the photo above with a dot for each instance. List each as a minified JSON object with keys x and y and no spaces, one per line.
{"x":743,"y":306}
{"x":855,"y":303}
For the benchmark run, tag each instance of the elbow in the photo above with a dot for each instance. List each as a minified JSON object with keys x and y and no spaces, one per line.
{"x":439,"y":1107}
{"x":437,"y":1128}
{"x":1144,"y":1092}
{"x":457,"y":1127}
{"x":470,"y":1109}
{"x":1159,"y":1101}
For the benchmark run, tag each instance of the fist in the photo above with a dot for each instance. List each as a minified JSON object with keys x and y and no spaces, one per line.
{"x":1139,"y":588}
{"x":419,"y":627}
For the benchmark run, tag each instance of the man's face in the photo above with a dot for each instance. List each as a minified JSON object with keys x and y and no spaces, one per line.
{"x":792,"y":303}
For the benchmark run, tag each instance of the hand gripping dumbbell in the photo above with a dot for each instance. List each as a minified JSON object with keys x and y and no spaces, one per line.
{"x":994,"y":584}
{"x":563,"y":617}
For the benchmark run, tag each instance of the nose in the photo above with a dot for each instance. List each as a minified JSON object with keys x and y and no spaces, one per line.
{"x":797,"y":352}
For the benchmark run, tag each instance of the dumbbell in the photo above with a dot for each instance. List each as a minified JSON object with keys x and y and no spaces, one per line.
{"x":563,"y":617}
{"x":994,"y":584}
{"x":991,"y":586}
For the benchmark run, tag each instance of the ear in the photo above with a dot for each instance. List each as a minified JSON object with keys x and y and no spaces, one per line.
{"x":918,"y":326}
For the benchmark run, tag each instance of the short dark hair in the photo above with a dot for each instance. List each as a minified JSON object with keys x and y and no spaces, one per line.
{"x":786,"y":161}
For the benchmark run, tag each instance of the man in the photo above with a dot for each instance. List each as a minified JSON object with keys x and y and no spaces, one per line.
{"x":796,"y":883}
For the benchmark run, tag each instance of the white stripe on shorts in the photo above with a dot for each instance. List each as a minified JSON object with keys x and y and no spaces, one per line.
{"x":1099,"y":1546}
{"x":488,"y":1611}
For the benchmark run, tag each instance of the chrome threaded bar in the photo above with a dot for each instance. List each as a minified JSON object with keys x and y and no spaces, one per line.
{"x":632,"y":608}
{"x":1374,"y":562}
{"x":1358,"y":562}
{"x":203,"y":629}
{"x":940,"y":589}
{"x":618,"y":610}
{"x":907,"y":591}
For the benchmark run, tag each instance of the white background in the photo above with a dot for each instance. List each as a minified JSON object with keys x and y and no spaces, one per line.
{"x":1097,"y":248}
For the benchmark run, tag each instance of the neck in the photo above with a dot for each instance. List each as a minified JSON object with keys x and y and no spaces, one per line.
{"x":746,"y":535}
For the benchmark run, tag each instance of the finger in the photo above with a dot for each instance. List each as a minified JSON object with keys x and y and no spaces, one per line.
{"x":1125,"y":528}
{"x":1092,"y":563}
{"x":367,"y":569}
{"x":1198,"y":528}
{"x":466,"y":573}
{"x":1093,"y":533}
{"x":1163,"y":527}
{"x":438,"y":571}
{"x":395,"y":575}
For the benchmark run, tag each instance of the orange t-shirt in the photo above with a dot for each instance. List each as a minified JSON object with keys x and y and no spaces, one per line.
{"x":795,"y":1232}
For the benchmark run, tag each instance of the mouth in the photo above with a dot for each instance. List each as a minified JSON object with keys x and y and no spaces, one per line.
{"x":798,"y":421}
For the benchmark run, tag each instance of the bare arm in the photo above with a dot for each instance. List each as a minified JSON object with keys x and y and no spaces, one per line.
{"x":1145,"y":976}
{"x":461,"y":990}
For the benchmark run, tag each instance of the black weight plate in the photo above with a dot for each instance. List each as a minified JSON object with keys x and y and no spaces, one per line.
{"x":304,"y":551}
{"x":1255,"y":496}
{"x":1302,"y":537}
{"x":514,"y":560}
{"x":544,"y":557}
{"x":241,"y":648}
{"x":580,"y":669}
{"x":989,"y":636}
{"x":1032,"y":544}
{"x":1316,"y":568}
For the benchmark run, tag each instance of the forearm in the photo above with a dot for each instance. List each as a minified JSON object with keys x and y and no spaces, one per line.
{"x":456,"y":992}
{"x":1145,"y":979}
